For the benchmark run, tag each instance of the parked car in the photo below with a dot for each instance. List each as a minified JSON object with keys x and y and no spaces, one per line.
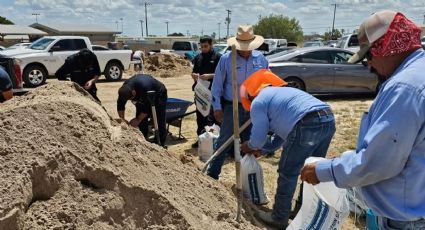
{"x":332,"y":43}
{"x":423,"y":42}
{"x":98,"y":47}
{"x":278,"y":50}
{"x":183,"y":47}
{"x":349,"y":42}
{"x":324,"y":70}
{"x":220,"y":48}
{"x":11,"y":65}
{"x":46,"y":55}
{"x":22,"y":45}
{"x":313,"y":44}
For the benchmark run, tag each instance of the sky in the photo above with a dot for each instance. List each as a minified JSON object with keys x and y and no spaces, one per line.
{"x":202,"y":16}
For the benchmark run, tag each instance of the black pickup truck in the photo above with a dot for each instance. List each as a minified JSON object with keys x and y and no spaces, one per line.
{"x":12,"y":68}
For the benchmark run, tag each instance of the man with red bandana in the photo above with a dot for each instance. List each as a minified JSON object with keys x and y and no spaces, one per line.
{"x":388,"y":165}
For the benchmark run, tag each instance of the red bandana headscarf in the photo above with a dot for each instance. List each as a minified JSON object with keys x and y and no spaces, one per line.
{"x":402,"y":35}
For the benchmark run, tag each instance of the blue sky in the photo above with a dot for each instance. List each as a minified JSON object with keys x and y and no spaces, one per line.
{"x":196,"y":16}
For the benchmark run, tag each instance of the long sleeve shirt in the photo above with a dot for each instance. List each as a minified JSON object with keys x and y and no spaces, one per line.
{"x":278,"y":109}
{"x":222,"y":83}
{"x":388,"y":165}
{"x":142,"y":84}
{"x":78,"y":73}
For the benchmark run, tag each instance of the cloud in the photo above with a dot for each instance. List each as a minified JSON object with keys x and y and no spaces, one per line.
{"x":203,"y":15}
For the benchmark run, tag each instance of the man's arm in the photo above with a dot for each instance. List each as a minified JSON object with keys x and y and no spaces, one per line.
{"x":386,"y":147}
{"x":121,"y":108}
{"x":260,"y":125}
{"x":218,"y":84}
{"x":63,"y":71}
{"x":6,"y":92}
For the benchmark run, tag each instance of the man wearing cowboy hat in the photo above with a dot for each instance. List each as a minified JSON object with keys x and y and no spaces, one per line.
{"x":388,"y":165}
{"x":302,"y":123}
{"x":248,"y":61}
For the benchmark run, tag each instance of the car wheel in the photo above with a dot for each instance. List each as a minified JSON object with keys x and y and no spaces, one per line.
{"x":113,"y":71}
{"x":34,"y":76}
{"x":295,"y":83}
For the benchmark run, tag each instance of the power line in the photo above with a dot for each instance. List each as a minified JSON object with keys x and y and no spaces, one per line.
{"x":228,"y":21}
{"x":36,"y":16}
{"x":146,"y":17}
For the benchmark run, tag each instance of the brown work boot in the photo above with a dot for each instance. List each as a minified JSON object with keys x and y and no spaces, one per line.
{"x":267,"y":219}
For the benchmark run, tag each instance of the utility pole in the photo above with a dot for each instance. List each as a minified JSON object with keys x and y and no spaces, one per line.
{"x":333,"y":23}
{"x":166,"y":22}
{"x":228,"y":21}
{"x":116,"y":22}
{"x":36,"y":16}
{"x":424,"y":20}
{"x":122,"y":26}
{"x":141,"y":26}
{"x":187,"y":33}
{"x":146,"y":17}
{"x":219,"y":31}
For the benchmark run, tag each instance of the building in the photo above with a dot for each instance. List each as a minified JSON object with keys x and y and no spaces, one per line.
{"x":12,"y":34}
{"x":167,"y":42}
{"x":98,"y":35}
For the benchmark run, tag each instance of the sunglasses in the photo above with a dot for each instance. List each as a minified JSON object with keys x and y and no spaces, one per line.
{"x":368,"y":55}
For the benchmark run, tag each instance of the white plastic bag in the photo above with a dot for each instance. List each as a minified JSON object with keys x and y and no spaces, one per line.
{"x":206,"y":142}
{"x":252,"y":180}
{"x":203,"y":97}
{"x":324,"y":206}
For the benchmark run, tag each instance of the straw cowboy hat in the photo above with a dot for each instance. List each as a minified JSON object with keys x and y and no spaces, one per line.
{"x":245,"y":39}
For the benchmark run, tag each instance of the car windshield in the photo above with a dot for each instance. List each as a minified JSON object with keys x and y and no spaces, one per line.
{"x":41,"y":44}
{"x":281,"y":56}
{"x":423,"y":39}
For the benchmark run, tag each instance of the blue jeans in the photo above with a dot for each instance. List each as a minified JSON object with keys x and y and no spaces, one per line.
{"x":310,"y":137}
{"x":388,"y":224}
{"x":226,"y":131}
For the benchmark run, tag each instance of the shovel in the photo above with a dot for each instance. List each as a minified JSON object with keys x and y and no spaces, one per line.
{"x":151,"y":99}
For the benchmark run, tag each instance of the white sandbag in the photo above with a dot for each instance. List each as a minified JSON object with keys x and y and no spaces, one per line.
{"x":252,"y":180}
{"x":206,"y":142}
{"x":203,"y":97}
{"x":324,"y":206}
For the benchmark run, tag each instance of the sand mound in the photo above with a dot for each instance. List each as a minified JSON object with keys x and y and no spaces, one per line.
{"x":167,"y":65}
{"x":64,"y":164}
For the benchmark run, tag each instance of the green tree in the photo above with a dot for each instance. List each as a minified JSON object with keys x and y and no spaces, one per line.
{"x":5,"y":21}
{"x":336,"y":35}
{"x":279,"y":26}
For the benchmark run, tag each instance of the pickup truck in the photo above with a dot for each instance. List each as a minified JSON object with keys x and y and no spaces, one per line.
{"x":46,"y":55}
{"x":349,"y":42}
{"x":185,"y":49}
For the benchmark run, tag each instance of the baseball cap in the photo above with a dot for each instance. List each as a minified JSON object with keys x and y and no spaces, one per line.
{"x":373,"y":28}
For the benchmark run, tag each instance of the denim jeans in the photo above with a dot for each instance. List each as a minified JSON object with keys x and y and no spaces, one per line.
{"x":226,"y":131}
{"x":310,"y":137}
{"x":388,"y":224}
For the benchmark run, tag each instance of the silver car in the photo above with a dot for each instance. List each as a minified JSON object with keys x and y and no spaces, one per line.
{"x":323,"y":70}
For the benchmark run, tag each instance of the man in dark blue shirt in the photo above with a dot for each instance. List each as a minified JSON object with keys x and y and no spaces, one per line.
{"x":82,"y":68}
{"x":204,"y":65}
{"x":6,"y":92}
{"x":136,"y":89}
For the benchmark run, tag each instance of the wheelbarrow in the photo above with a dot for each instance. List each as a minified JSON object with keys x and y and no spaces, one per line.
{"x":175,"y":112}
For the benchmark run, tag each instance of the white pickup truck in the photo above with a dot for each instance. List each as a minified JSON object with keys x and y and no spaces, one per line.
{"x":46,"y":55}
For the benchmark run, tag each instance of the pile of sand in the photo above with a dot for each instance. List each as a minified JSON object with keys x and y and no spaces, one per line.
{"x":65,"y":164}
{"x":167,"y":65}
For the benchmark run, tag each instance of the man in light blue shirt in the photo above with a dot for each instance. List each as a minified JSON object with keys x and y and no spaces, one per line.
{"x":302,"y":123}
{"x":248,"y":61}
{"x":388,"y":165}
